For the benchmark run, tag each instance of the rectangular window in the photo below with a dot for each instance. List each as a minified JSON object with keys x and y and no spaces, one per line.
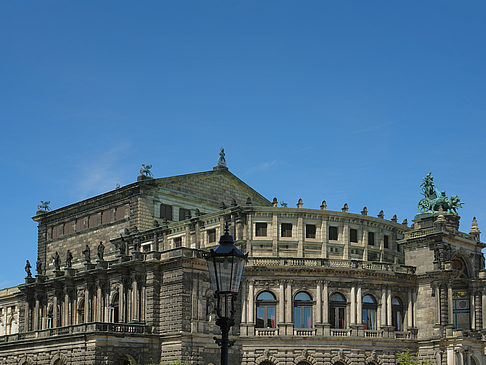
{"x":69,"y":228}
{"x":386,"y":241}
{"x":106,"y":216}
{"x":177,"y":242}
{"x":333,"y":233}
{"x":211,"y":235}
{"x":120,"y":213}
{"x":310,"y":231}
{"x":286,"y":230}
{"x":166,"y":211}
{"x":353,"y":235}
{"x":371,"y":238}
{"x":184,"y":214}
{"x":261,"y":229}
{"x":93,"y":220}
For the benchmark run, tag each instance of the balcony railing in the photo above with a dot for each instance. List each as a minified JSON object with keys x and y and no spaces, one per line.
{"x":331,"y":263}
{"x":304,"y":332}
{"x":126,"y":328}
{"x":266,"y":332}
{"x":340,"y":332}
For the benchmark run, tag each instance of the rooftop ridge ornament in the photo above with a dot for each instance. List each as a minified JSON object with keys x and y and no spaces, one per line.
{"x":221,"y":160}
{"x":145,"y":170}
{"x":44,"y":206}
{"x":433,"y":201}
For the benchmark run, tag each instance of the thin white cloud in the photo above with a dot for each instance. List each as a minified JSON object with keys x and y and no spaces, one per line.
{"x":263,"y":166}
{"x":102,"y":172}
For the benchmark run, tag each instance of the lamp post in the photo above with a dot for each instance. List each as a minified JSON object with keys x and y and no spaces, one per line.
{"x":225,"y":265}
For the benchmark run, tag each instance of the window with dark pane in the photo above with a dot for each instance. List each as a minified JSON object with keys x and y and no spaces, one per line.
{"x":310,"y":231}
{"x":333,"y":233}
{"x":261,"y":229}
{"x":386,"y":241}
{"x":337,"y":310}
{"x":266,"y":304}
{"x":177,"y":242}
{"x":211,"y":235}
{"x":166,"y":211}
{"x":353,"y":235}
{"x":286,"y":230}
{"x":371,"y":238}
{"x":184,"y":214}
{"x":303,"y":310}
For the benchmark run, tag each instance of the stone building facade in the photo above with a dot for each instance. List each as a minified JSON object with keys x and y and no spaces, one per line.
{"x":320,"y":286}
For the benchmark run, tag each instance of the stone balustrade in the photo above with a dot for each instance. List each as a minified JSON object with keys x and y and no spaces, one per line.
{"x":125,"y":328}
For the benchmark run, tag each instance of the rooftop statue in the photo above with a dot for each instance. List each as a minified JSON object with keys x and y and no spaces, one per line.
{"x":433,"y":201}
{"x":145,"y":170}
{"x":44,"y":206}
{"x":38,"y":267}
{"x":221,"y":159}
{"x":27,"y":269}
{"x":57,"y":261}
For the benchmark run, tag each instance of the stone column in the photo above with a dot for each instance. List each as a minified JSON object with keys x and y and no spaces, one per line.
{"x":324,"y":238}
{"x":300,"y":237}
{"x":478,"y":310}
{"x":27,"y":317}
{"x":318,"y":306}
{"x":325,"y":303}
{"x":483,"y":302}
{"x":244,"y":301}
{"x":383,"y":308}
{"x":99,"y":310}
{"x":54,"y":312}
{"x":249,"y":235}
{"x":36,"y":314}
{"x":86,"y":306}
{"x":365,"y":244}
{"x":251,"y":318}
{"x":389,"y":308}
{"x":450,"y":303}
{"x":121,"y":302}
{"x":281,"y":302}
{"x":414,"y":310}
{"x":135,"y":314}
{"x":143,"y":295}
{"x":346,"y":241}
{"x":275,"y":235}
{"x":472,"y":311}
{"x":288,"y":304}
{"x":353,"y":305}
{"x":359,"y":302}
{"x":410,"y":323}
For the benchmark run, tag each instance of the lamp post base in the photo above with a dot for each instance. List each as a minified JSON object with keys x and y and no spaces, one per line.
{"x":225,"y":324}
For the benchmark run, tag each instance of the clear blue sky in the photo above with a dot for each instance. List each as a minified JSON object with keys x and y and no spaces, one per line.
{"x":347,"y":101}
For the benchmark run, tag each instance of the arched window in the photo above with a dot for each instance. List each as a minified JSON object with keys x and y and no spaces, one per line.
{"x":473,"y":361}
{"x":303,"y":363}
{"x":81,"y":317}
{"x":397,"y":314}
{"x":266,"y":363}
{"x":265,"y":311}
{"x":338,"y":363}
{"x":337,"y":310}
{"x":115,"y":308}
{"x":369,"y":312}
{"x":302,"y":310}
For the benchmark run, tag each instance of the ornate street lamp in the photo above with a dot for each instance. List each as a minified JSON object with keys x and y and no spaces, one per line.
{"x":225,"y":265}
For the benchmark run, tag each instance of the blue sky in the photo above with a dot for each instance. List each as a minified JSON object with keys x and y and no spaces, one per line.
{"x":347,"y":101}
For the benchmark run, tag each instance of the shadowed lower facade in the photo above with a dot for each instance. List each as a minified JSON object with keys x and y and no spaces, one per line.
{"x":320,"y":287}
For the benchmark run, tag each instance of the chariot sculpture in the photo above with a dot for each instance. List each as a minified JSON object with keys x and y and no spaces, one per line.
{"x":433,"y":200}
